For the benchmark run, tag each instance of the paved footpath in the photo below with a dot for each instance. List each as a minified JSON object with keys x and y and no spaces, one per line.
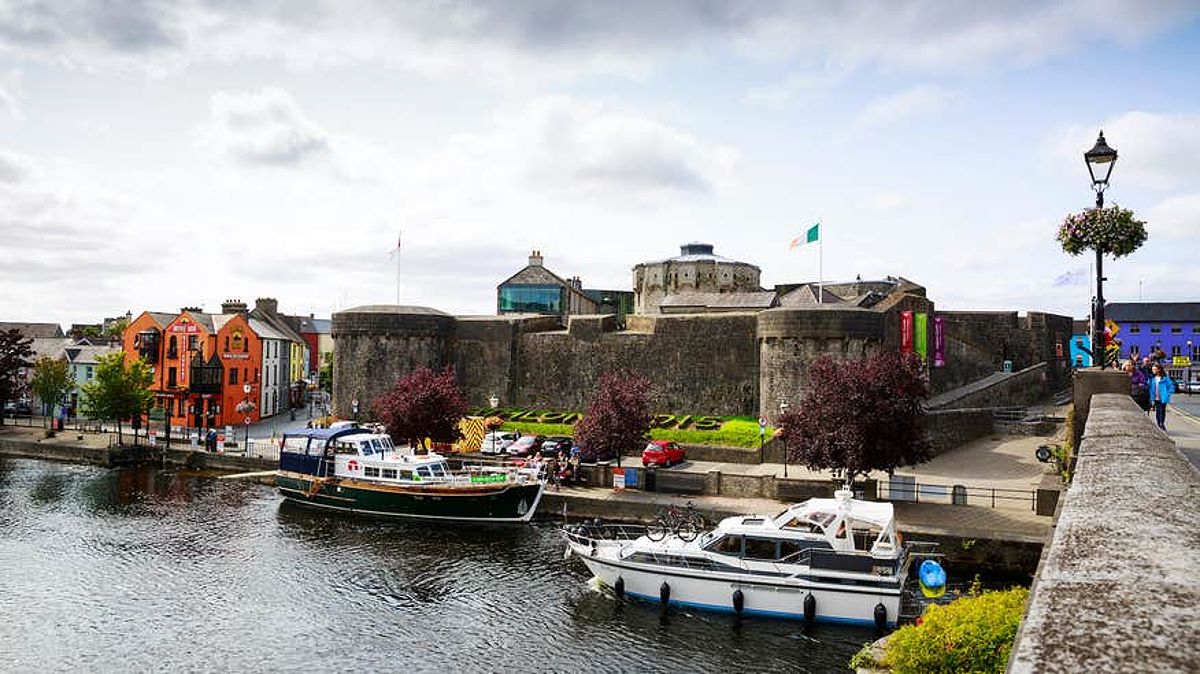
{"x":1184,"y":428}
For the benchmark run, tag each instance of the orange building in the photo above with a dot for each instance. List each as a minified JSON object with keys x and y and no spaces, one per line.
{"x":202,"y":363}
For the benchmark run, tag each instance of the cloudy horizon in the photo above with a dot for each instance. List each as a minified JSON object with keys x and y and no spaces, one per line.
{"x":159,"y":155}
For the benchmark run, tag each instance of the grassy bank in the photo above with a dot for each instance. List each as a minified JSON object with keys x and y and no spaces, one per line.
{"x":734,"y":432}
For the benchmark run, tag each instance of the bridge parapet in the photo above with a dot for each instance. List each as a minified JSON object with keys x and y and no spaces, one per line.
{"x":1117,"y":588}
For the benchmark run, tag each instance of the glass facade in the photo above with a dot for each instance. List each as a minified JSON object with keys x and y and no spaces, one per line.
{"x":531,"y":299}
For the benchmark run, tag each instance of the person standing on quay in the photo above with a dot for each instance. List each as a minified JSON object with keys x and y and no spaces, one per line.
{"x":1161,"y":388}
{"x":1138,"y":388}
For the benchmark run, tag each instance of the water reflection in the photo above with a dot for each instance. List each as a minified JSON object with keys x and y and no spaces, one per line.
{"x":139,"y":569}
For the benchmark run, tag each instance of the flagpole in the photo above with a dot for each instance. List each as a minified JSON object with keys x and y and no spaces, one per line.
{"x":820,"y":264}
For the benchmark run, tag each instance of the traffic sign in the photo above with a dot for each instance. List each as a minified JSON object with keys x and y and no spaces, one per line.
{"x":762,"y":422}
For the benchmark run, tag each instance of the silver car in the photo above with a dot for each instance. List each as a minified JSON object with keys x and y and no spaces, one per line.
{"x":497,"y":442}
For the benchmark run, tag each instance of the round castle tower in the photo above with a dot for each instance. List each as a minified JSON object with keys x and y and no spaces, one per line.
{"x":375,"y":345}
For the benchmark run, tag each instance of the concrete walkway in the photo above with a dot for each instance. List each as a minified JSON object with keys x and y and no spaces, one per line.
{"x":999,"y":461}
{"x":1184,"y":428}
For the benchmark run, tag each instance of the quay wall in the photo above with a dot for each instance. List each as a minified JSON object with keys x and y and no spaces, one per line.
{"x":1117,"y":589}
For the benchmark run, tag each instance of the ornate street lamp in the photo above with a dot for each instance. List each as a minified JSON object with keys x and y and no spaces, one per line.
{"x":493,"y":401}
{"x":1100,"y":161}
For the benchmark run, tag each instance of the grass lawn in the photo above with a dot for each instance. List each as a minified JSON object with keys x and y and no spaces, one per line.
{"x":734,"y":432}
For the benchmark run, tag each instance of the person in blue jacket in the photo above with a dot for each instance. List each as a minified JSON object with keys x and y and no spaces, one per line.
{"x":1161,"y":388}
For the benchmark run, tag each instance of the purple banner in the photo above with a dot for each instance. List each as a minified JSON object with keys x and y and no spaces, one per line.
{"x":939,"y":342}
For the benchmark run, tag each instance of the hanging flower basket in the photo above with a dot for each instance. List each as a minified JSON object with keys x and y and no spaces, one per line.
{"x":1111,"y":230}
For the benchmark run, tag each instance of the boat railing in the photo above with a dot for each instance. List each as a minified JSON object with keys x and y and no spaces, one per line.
{"x":587,"y":532}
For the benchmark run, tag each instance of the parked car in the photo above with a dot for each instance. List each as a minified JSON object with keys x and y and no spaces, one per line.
{"x":526,"y":445}
{"x":497,"y":442}
{"x":557,"y":444}
{"x":662,"y":453}
{"x":18,"y":409}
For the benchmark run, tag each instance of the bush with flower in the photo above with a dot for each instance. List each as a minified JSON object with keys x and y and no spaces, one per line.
{"x":1113,"y":230}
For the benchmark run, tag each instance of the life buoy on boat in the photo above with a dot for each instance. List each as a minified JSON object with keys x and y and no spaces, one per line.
{"x":810,"y":609}
{"x":664,"y":595}
{"x":352,"y":466}
{"x":739,"y":601}
{"x":619,"y":587}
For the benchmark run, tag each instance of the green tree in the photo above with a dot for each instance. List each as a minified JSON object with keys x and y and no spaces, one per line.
{"x":119,"y":391}
{"x":325,"y":374}
{"x":15,"y":352}
{"x":51,"y":381}
{"x":116,"y":329}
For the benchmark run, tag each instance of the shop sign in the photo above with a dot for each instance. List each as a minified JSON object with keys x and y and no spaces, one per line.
{"x":1181,"y":361}
{"x":235,"y":356}
{"x":618,"y":479}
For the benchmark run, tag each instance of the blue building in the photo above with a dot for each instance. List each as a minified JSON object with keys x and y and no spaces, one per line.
{"x":1081,"y":345}
{"x":1173,"y":328}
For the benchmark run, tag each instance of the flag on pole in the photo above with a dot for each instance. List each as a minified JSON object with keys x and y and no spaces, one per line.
{"x":812,"y":235}
{"x":1075,"y":277}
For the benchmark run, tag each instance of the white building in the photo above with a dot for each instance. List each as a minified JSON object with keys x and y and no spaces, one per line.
{"x":273,"y":380}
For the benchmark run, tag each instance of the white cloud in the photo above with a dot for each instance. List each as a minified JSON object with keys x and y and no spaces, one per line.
{"x":797,"y":86}
{"x":264,"y":127}
{"x":1154,"y":150}
{"x":1176,"y":217}
{"x":14,"y":167}
{"x":921,"y":100}
{"x":10,"y":92}
{"x":527,"y":38}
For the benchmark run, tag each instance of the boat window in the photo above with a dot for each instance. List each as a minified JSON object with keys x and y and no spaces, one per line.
{"x":387,"y":443}
{"x":423,"y":471}
{"x":760,"y":548}
{"x":343,"y":447}
{"x":389,"y":473}
{"x":440,"y":470}
{"x":792,"y":550}
{"x":365,"y":448}
{"x":295,"y":444}
{"x":730,"y":545}
{"x":376,"y":444}
{"x":370,"y":472}
{"x":406,"y":475}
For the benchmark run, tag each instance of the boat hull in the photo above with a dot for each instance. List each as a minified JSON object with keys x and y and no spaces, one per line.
{"x":775,"y":598}
{"x":490,"y":503}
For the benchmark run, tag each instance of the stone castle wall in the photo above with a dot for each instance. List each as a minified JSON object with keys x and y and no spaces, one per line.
{"x":720,"y":364}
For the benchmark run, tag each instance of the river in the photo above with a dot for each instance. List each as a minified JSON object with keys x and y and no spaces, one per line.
{"x":137,"y":569}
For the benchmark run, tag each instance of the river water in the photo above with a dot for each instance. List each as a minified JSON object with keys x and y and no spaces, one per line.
{"x":138,"y":569}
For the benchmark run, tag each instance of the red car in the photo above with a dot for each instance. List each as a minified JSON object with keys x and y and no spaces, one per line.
{"x":662,"y":453}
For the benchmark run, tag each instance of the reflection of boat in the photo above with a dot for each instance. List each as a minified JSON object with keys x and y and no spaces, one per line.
{"x":834,"y":560}
{"x":355,"y":470}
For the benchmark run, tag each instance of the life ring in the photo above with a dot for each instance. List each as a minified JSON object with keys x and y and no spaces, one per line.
{"x":352,"y":466}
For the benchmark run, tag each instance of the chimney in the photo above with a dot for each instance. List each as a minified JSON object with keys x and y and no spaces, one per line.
{"x":267,"y":305}
{"x":577,"y":282}
{"x":233,"y":307}
{"x":535,"y":258}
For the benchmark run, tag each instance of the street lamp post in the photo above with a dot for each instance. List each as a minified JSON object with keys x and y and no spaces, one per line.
{"x":246,"y":407}
{"x":493,"y":401}
{"x":1188,"y":382}
{"x":1100,"y":161}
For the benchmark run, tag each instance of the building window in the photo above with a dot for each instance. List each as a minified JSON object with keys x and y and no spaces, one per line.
{"x":171,"y":377}
{"x":1135,"y":350}
{"x":193,"y":342}
{"x":89,"y":372}
{"x":233,"y":375}
{"x":1176,"y":351}
{"x":1135,"y":329}
{"x":1196,"y":329}
{"x":531,"y":299}
{"x":1176,"y":330}
{"x":1155,"y":330}
{"x":226,"y":342}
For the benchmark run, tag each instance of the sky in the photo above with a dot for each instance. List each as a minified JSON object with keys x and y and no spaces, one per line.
{"x":155,"y":155}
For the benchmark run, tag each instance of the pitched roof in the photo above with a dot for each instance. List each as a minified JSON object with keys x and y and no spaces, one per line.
{"x":35,"y":330}
{"x":1184,"y":312}
{"x":264,"y":330}
{"x":808,"y":295}
{"x":84,"y":353}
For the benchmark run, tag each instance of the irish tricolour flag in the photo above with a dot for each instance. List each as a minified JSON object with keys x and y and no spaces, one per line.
{"x":812,"y":235}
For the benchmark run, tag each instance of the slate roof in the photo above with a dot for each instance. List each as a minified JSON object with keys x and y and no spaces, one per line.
{"x":85,"y":353}
{"x":807,"y":296}
{"x":34,"y":330}
{"x":1153,"y":312}
{"x":731,"y":301}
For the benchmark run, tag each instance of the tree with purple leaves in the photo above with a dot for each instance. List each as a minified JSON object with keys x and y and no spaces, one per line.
{"x":617,"y":419}
{"x":860,"y":416}
{"x":423,"y":404}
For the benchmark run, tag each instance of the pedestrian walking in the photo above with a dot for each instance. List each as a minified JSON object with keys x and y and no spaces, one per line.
{"x":1161,"y":388}
{"x":1139,"y":389}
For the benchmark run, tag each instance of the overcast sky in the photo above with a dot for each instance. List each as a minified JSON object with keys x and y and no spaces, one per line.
{"x":156,"y":154}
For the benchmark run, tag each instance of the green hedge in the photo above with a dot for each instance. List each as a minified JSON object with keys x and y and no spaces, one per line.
{"x":971,"y":634}
{"x":732,"y":432}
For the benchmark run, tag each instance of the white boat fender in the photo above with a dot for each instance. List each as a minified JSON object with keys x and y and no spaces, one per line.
{"x":810,"y":609}
{"x":664,"y":595}
{"x":739,"y":601}
{"x":880,"y":616}
{"x":619,"y":587}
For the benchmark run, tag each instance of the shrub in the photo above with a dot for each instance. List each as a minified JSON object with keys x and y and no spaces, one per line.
{"x":972,"y":634}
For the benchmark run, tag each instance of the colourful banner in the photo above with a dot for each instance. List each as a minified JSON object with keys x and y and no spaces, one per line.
{"x":906,"y":332}
{"x":921,"y":336}
{"x":939,"y":342}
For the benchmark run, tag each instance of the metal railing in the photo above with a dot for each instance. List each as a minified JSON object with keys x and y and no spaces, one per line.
{"x":261,"y":449}
{"x":904,"y":491}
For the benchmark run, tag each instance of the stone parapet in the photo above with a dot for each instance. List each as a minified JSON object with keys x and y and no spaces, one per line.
{"x":1117,"y":588}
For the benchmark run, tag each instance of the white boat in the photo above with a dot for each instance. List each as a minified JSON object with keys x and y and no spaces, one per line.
{"x":829,"y":560}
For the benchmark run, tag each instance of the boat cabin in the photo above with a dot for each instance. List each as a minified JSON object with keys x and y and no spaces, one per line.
{"x":310,"y":451}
